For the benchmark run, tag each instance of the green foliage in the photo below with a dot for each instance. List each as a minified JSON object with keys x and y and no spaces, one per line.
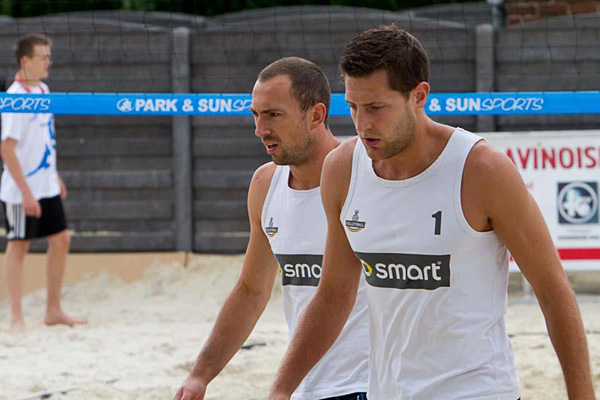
{"x":32,"y":8}
{"x":29,"y":8}
{"x":5,"y":7}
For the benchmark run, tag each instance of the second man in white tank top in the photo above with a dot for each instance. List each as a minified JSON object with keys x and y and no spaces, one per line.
{"x":290,"y":104}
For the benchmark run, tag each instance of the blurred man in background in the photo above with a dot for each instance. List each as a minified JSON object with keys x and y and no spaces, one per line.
{"x":31,"y":189}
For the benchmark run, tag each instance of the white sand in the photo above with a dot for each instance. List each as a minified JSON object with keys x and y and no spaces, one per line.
{"x":147,"y":334}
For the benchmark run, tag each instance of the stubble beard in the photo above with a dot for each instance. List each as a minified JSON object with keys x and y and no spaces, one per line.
{"x":300,"y":153}
{"x":404,"y":135}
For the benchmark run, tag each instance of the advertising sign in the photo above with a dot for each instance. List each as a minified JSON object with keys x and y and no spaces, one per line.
{"x":562,"y":172}
{"x":498,"y":103}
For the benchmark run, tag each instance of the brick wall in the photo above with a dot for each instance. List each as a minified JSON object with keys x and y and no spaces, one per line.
{"x":520,"y":11}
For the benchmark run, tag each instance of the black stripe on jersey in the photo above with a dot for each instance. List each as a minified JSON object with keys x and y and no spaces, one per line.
{"x":406,"y":271}
{"x":300,"y":269}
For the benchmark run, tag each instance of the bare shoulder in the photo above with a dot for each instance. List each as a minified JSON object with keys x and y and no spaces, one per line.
{"x":488,"y":165}
{"x":491,"y":180}
{"x":259,"y":187}
{"x":340,"y":158}
{"x":337,"y":171}
{"x":263,"y":175}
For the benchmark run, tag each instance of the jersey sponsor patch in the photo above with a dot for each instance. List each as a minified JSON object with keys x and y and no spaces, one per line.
{"x":270,"y":229}
{"x":300,"y":269}
{"x":406,"y":271}
{"x":354,"y":225}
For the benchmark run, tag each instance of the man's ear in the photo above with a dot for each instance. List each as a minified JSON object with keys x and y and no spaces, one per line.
{"x":319,"y":112}
{"x":420,"y":94}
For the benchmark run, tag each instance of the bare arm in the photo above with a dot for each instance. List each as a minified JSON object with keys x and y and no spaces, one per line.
{"x":9,"y":157}
{"x":327,"y":312}
{"x":518,"y":222}
{"x":63,"y":188}
{"x":245,"y":303}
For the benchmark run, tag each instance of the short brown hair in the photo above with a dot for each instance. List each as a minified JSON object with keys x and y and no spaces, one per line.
{"x":389,"y":48}
{"x":309,"y":84}
{"x":25,"y":44}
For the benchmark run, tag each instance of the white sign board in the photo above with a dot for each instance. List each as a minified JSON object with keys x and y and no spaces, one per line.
{"x":562,"y":172}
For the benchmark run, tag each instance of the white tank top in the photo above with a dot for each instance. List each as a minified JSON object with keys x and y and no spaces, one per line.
{"x":437,"y":289}
{"x":295,"y":223}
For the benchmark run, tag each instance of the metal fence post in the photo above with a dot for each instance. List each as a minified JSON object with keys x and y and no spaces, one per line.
{"x":182,"y":144}
{"x":485,"y":68}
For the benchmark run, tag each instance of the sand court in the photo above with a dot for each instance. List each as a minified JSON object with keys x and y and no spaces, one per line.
{"x":143,"y":336}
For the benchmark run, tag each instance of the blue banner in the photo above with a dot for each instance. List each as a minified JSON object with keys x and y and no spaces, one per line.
{"x":500,"y":103}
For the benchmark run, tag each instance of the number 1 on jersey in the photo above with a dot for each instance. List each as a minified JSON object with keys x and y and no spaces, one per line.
{"x":438,"y":223}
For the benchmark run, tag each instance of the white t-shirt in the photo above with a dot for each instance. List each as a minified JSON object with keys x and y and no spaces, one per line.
{"x":36,"y":150}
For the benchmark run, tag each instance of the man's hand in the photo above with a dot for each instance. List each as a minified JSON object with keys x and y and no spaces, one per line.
{"x":192,"y":389}
{"x":31,"y":205}
{"x":63,"y":189}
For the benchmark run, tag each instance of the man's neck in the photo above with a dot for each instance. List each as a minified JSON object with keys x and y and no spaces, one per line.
{"x":26,"y":80}
{"x":430,"y":140}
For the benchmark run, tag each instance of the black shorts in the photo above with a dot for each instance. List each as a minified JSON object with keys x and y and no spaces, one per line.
{"x":353,"y":396}
{"x":23,"y":227}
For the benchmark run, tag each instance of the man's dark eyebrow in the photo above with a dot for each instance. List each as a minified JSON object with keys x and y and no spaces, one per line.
{"x":267,"y":111}
{"x":366,"y":104}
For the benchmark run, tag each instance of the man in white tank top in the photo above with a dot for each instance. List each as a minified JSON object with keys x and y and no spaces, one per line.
{"x":290,"y":103}
{"x":427,"y":212}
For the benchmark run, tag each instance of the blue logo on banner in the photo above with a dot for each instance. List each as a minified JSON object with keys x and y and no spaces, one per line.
{"x":125,"y":105}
